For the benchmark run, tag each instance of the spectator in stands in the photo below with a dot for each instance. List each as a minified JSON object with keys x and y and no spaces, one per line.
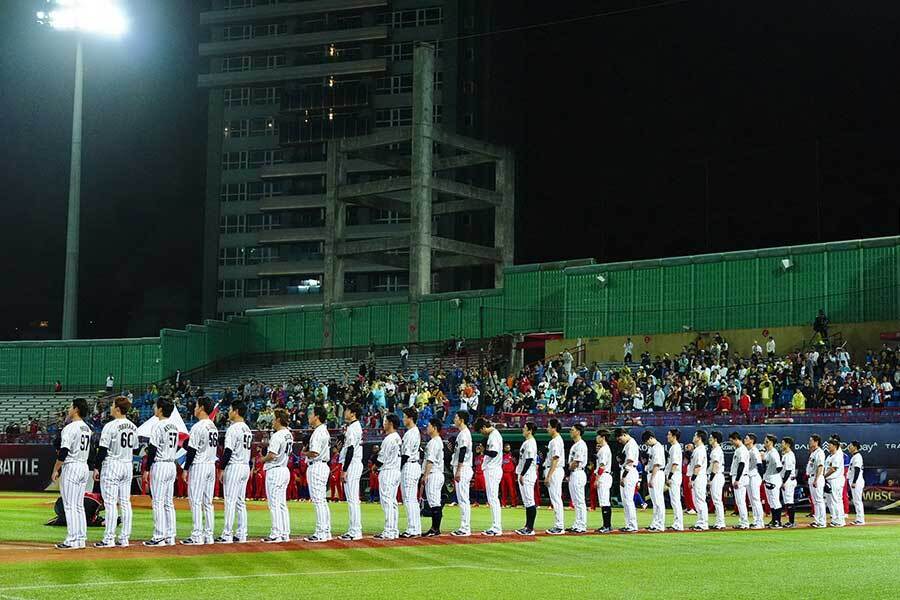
{"x":770,"y":347}
{"x":404,"y":359}
{"x":110,"y":383}
{"x":798,"y":401}
{"x":57,"y":387}
{"x":266,"y":418}
{"x":724,"y":405}
{"x":627,"y":350}
{"x":820,"y":325}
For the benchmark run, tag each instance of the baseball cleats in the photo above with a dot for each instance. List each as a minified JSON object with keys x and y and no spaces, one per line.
{"x":604,"y":530}
{"x":273,"y":539}
{"x":68,"y":546}
{"x":406,"y":535}
{"x":122,"y":543}
{"x":460,"y":533}
{"x":314,"y":539}
{"x":555,"y":531}
{"x":431,"y":533}
{"x":525,"y":531}
{"x":156,"y":542}
{"x":350,"y":538}
{"x":104,"y":544}
{"x":192,"y":542}
{"x":492,"y":533}
{"x":224,"y":540}
{"x":382,"y":537}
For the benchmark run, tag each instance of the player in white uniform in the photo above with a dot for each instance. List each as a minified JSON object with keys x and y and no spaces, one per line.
{"x":788,"y":478}
{"x":857,"y":482}
{"x":388,"y":463}
{"x":554,"y":472}
{"x":656,"y":480}
{"x":493,"y":473}
{"x":755,"y":482}
{"x":351,"y":458}
{"x":71,"y":469}
{"x":628,"y":478}
{"x":118,"y":441}
{"x":578,"y":455}
{"x":200,"y":473}
{"x":161,"y":473}
{"x":411,"y":473}
{"x":461,"y":465}
{"x":674,"y":479}
{"x":604,"y":479}
{"x":716,"y":474}
{"x":433,"y":477}
{"x":772,"y":479}
{"x":235,"y":473}
{"x":834,"y":482}
{"x":815,"y":475}
{"x":526,"y":473}
{"x":697,"y":469}
{"x":740,"y":478}
{"x":318,"y":474}
{"x":277,"y":476}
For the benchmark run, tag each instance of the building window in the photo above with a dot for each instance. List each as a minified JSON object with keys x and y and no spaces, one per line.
{"x":438,"y":114}
{"x":269,"y":29}
{"x":232,"y":224}
{"x":259,"y":287}
{"x":257,"y":190}
{"x":396,"y":84}
{"x":390,"y":217}
{"x":269,"y":61}
{"x":231,"y":256}
{"x":234,"y":160}
{"x":261,"y":254}
{"x":404,"y":50}
{"x":233,"y":192}
{"x":416,"y":17}
{"x":263,"y":222}
{"x":393,"y":117}
{"x":265,"y":158}
{"x":231,"y":64}
{"x":267,"y":95}
{"x":438,"y":81}
{"x":236,"y":97}
{"x":237,"y":32}
{"x":390,"y":283}
{"x":263,"y":126}
{"x":231,"y":288}
{"x":237,"y":128}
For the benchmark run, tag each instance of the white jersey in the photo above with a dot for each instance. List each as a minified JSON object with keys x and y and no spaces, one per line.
{"x":353,"y":439}
{"x":604,"y":458}
{"x":463,"y":440}
{"x":76,"y":436}
{"x":578,"y":454}
{"x":239,"y":439}
{"x":789,"y":465}
{"x":716,"y":455}
{"x":773,"y":466}
{"x":836,"y":461}
{"x":164,"y":438}
{"x":754,"y":460}
{"x":389,"y":454}
{"x":280,"y":444}
{"x":741,"y":457}
{"x":656,"y":455}
{"x":494,"y":444}
{"x":119,"y":437}
{"x":816,"y":460}
{"x":205,"y":440}
{"x":698,"y":459}
{"x":526,"y":451}
{"x":434,"y":453}
{"x":556,"y":448}
{"x":631,"y":453}
{"x":319,"y":442}
{"x":409,"y":447}
{"x":856,"y":462}
{"x":675,"y":459}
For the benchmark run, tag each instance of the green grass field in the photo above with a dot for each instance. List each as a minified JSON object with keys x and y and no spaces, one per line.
{"x":803,"y":563}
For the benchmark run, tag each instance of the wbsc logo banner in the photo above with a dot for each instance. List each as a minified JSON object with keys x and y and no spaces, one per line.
{"x":25,"y":467}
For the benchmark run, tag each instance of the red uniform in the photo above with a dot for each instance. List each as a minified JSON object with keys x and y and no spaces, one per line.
{"x":593,"y":494}
{"x":508,"y":483}
{"x":686,"y":489}
{"x":478,"y":480}
{"x":302,"y":482}
{"x":373,"y":481}
{"x":180,"y":484}
{"x":334,"y":479}
{"x":291,"y":493}
{"x":259,"y":480}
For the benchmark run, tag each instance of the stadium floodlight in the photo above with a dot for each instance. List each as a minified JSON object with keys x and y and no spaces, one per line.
{"x":84,"y":17}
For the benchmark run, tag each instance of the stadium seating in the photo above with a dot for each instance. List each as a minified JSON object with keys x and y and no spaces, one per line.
{"x":19,"y":408}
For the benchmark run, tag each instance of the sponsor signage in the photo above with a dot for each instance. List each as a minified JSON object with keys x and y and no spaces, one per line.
{"x":26,"y":467}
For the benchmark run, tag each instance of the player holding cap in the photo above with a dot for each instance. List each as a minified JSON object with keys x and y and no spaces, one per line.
{"x":277,"y":474}
{"x":740,"y":479}
{"x":388,"y":464}
{"x":461,"y":464}
{"x":493,"y":473}
{"x":161,"y":460}
{"x":200,"y":464}
{"x":526,"y":472}
{"x":628,"y":478}
{"x":578,"y":454}
{"x":410,"y":473}
{"x":351,"y":457}
{"x":789,"y":478}
{"x":717,"y":477}
{"x":235,"y":473}
{"x":815,"y":475}
{"x":433,"y":478}
{"x":318,"y":473}
{"x":755,"y":481}
{"x":71,"y":470}
{"x":604,"y":479}
{"x":834,"y":482}
{"x":118,"y":441}
{"x":857,"y":482}
{"x":697,"y":469}
{"x":772,"y":480}
{"x":553,"y":475}
{"x":656,"y":480}
{"x":673,"y":478}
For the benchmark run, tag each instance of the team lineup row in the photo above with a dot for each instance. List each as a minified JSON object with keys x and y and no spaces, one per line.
{"x":400,"y":465}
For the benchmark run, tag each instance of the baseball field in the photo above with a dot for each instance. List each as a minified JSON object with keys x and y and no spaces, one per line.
{"x":858,"y":562}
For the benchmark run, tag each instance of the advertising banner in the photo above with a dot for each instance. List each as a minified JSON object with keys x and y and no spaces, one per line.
{"x":26,"y":467}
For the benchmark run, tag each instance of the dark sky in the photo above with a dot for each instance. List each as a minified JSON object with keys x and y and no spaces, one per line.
{"x":705,"y":126}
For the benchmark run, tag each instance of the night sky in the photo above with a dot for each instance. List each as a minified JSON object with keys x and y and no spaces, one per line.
{"x":700,"y":127}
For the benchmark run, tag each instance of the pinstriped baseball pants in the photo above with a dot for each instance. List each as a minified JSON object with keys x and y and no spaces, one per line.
{"x":318,"y":475}
{"x":410,"y":476}
{"x":387,"y":493}
{"x":234,"y":488}
{"x":351,"y":493}
{"x":73,"y":480}
{"x":115,"y":487}
{"x":276,"y":489}
{"x":201,"y":484}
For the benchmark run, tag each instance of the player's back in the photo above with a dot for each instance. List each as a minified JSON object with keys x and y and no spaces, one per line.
{"x":119,"y":437}
{"x":239,"y":439}
{"x":76,"y":436}
{"x":165,"y":440}
{"x":205,"y":440}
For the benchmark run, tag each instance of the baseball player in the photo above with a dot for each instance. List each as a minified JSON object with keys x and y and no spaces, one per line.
{"x":235,"y":473}
{"x":717,"y":477}
{"x":461,"y":463}
{"x":772,"y":480}
{"x":318,"y":474}
{"x":388,"y":464}
{"x":526,"y":472}
{"x":410,"y":473}
{"x":740,"y":479}
{"x":578,"y":454}
{"x":857,"y":482}
{"x":493,"y":472}
{"x":71,"y":470}
{"x":834,"y":482}
{"x":789,"y":478}
{"x":351,"y":457}
{"x":755,"y":481}
{"x":815,"y":475}
{"x":656,"y":480}
{"x":697,"y":469}
{"x":118,"y":441}
{"x":674,"y":479}
{"x":161,"y":460}
{"x":200,"y":473}
{"x":628,"y":478}
{"x":433,"y":477}
{"x":554,"y":472}
{"x":275,"y":465}
{"x":604,"y":479}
